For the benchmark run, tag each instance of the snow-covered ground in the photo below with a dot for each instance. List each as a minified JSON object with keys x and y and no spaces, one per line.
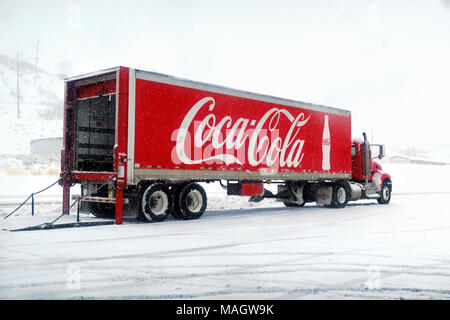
{"x":239,"y":250}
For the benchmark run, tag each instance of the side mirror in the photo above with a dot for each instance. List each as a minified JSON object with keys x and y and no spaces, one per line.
{"x":381,"y":154}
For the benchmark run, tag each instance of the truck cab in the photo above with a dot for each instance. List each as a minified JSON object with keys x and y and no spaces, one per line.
{"x":367,"y":174}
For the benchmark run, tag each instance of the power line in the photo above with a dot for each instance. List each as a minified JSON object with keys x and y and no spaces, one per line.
{"x":18,"y":92}
{"x":36,"y":61}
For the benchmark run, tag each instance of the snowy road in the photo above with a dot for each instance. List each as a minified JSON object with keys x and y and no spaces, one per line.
{"x":365,"y":250}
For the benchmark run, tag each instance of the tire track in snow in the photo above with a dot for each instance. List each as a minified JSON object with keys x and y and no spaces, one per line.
{"x":162,"y":253}
{"x":385,"y":274}
{"x":355,"y":292}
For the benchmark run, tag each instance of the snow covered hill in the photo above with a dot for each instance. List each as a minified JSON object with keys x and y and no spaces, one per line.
{"x":40,"y":105}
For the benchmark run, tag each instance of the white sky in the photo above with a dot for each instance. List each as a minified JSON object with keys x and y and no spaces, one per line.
{"x":386,"y":61}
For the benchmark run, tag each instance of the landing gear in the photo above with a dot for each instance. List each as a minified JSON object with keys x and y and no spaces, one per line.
{"x":294,"y":192}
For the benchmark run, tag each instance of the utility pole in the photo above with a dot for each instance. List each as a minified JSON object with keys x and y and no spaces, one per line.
{"x":18,"y":92}
{"x":36,"y":61}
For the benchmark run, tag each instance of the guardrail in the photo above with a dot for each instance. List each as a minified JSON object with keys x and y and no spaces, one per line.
{"x":31,"y":196}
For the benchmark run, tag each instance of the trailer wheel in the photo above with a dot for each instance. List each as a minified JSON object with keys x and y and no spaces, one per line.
{"x":191,"y":202}
{"x":385,"y":194}
{"x":175,"y":190}
{"x":157,"y":202}
{"x":340,"y":196}
{"x":102,"y":210}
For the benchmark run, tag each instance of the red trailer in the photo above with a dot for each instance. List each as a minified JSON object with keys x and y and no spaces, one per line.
{"x":140,"y":142}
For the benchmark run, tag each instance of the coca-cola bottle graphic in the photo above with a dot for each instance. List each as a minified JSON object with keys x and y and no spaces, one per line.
{"x":326,"y":145}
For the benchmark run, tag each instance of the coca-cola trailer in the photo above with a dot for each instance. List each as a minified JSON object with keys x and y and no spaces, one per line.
{"x":140,"y":142}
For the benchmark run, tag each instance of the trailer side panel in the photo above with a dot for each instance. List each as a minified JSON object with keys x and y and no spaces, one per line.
{"x":188,"y":133}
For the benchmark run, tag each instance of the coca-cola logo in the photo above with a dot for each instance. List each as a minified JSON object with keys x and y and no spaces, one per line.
{"x":223,"y":140}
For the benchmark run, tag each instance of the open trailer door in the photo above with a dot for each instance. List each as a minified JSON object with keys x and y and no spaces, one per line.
{"x":95,"y":134}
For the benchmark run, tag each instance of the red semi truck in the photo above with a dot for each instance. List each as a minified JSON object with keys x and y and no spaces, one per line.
{"x":140,"y":142}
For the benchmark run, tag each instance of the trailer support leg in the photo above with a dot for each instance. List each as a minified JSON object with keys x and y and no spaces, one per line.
{"x":119,"y":206}
{"x":66,"y":199}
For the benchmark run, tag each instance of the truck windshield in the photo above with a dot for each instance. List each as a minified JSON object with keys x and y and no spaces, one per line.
{"x":353,"y":151}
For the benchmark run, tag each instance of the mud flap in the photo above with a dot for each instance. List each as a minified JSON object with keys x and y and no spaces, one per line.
{"x":131,"y":205}
{"x":324,"y":195}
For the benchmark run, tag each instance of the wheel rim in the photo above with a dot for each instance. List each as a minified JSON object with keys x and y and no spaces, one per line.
{"x":386,"y":193}
{"x":158,"y":203}
{"x":194,"y":201}
{"x":341,"y":195}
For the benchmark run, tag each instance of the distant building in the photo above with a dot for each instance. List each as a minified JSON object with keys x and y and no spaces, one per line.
{"x":406,"y":159}
{"x":46,"y":145}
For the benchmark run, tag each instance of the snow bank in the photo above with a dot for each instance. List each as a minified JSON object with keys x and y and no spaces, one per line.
{"x":415,"y":178}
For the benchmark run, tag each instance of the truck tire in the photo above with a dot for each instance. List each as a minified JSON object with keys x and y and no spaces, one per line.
{"x":175,"y":190}
{"x":385,"y":194}
{"x":340,"y":196}
{"x":156,"y":203}
{"x":102,"y":210}
{"x":191,"y":202}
